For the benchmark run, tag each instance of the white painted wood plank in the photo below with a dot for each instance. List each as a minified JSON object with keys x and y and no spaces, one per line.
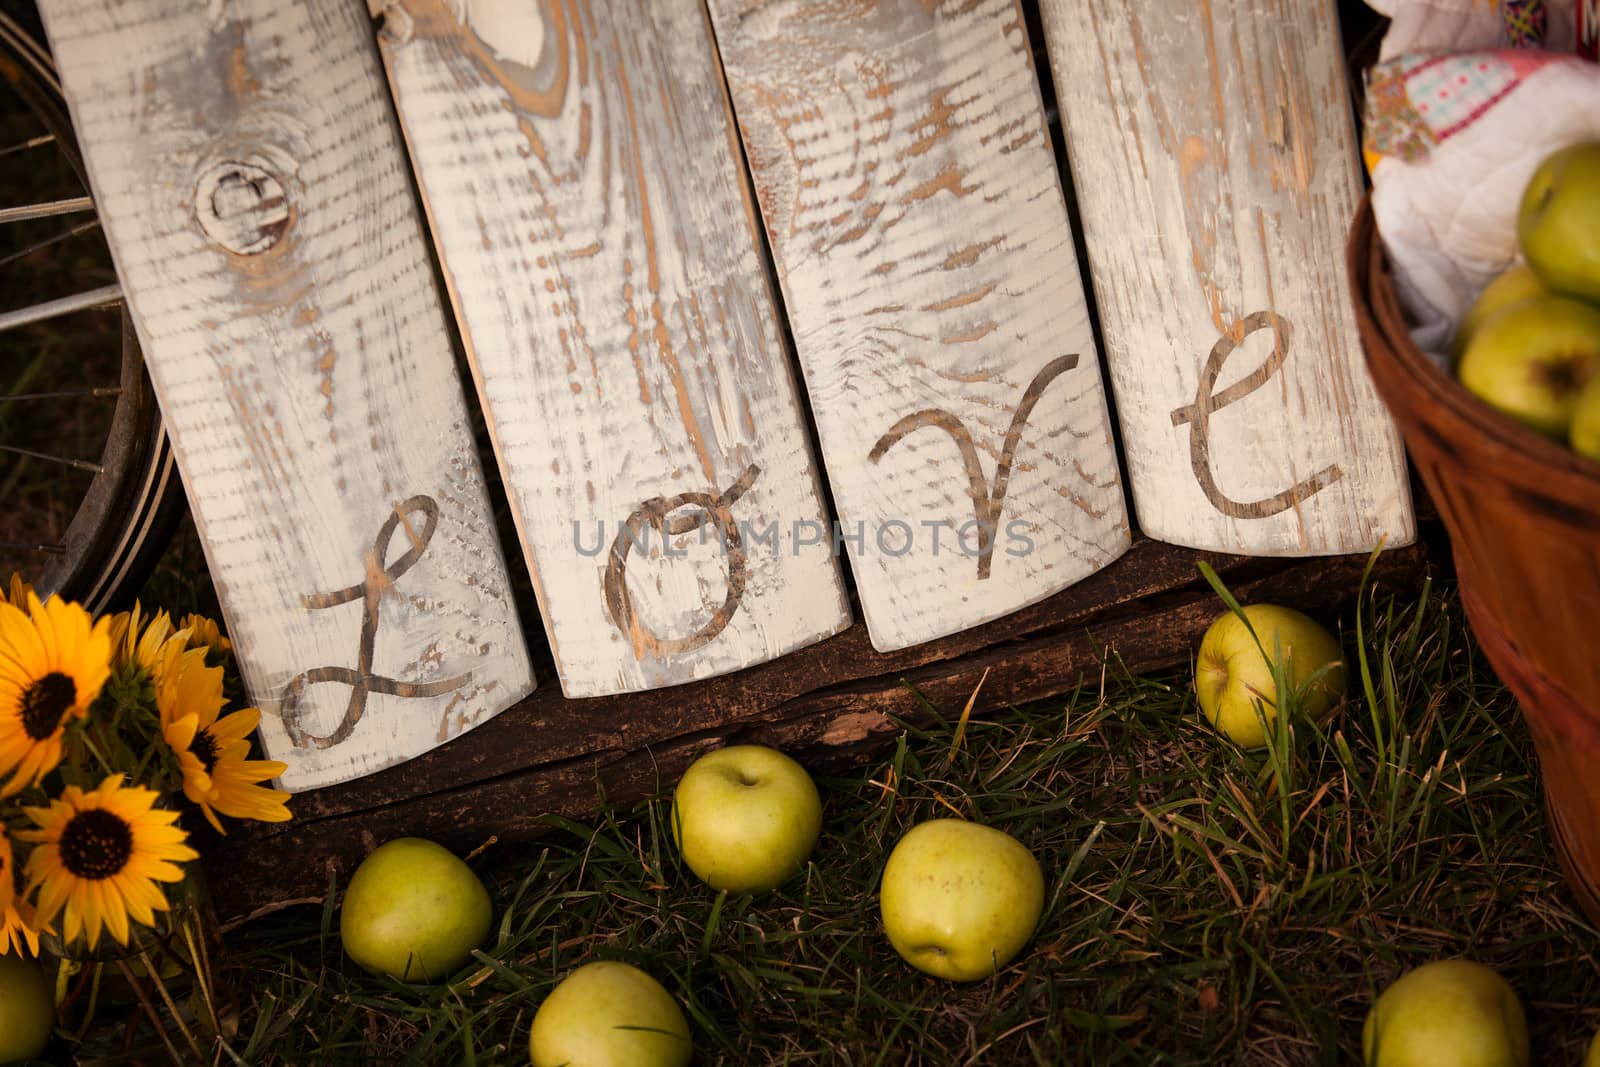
{"x":254,"y":192}
{"x":905,"y":175}
{"x":579,"y":167}
{"x":1215,"y":166}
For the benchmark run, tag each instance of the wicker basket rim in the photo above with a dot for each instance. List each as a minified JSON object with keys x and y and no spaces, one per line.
{"x":1377,"y":302}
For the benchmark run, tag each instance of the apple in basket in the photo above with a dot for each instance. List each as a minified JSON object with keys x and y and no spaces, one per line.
{"x":608,"y":1014}
{"x":1592,"y":1057}
{"x":1233,"y":672}
{"x":1449,"y":1013}
{"x":959,"y":900}
{"x":745,"y":818}
{"x":1511,"y":287}
{"x":1585,"y":433}
{"x":1558,"y":222}
{"x":414,"y":911}
{"x":1531,"y":360}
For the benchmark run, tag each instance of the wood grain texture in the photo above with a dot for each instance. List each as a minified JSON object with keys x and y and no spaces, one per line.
{"x":832,"y":705}
{"x":1214,"y":161}
{"x":250,"y":178}
{"x":579,"y":167}
{"x":903,"y":166}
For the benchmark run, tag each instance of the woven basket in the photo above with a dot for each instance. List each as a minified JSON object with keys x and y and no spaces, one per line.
{"x":1523,"y":515}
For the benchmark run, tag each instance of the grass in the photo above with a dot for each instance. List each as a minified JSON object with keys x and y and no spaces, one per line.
{"x":1203,"y":905}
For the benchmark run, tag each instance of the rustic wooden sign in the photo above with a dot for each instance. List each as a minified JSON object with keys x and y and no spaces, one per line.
{"x":254,"y":193}
{"x":1215,"y":165}
{"x":904,"y":170}
{"x":579,"y":167}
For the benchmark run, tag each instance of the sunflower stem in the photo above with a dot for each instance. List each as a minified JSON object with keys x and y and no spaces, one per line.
{"x":166,"y":998}
{"x":150,"y":1010}
{"x":94,"y":750}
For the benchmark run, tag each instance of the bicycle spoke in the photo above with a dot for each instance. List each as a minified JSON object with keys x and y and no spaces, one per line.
{"x":82,"y":227}
{"x":76,"y":464}
{"x":32,"y":142}
{"x":46,"y":210}
{"x":30,"y":50}
{"x":63,"y":394}
{"x":25,"y":546}
{"x":105,"y":296}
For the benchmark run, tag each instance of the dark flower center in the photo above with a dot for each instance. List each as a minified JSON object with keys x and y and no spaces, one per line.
{"x":45,"y":703}
{"x":204,"y":748}
{"x":96,"y":844}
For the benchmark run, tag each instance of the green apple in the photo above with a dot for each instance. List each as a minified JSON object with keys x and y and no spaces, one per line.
{"x":1232,"y":673}
{"x":959,"y":900}
{"x":414,"y":911}
{"x":1450,"y":1013}
{"x":1511,"y":287}
{"x":1584,"y":434}
{"x":1532,"y":359}
{"x":1592,"y":1057}
{"x":27,"y":1010}
{"x":745,"y":817}
{"x":609,"y":1015}
{"x":1558,"y":222}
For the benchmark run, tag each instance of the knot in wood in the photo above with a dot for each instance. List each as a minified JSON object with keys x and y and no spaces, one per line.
{"x":241,"y":207}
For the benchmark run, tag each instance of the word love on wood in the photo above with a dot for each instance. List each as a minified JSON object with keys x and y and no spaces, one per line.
{"x":579,"y":166}
{"x":1216,"y":171}
{"x":275,"y":268}
{"x":905,"y":175}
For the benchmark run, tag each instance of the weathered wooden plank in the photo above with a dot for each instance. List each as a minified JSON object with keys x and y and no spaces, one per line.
{"x":1215,"y":165}
{"x":905,"y":175}
{"x":578,"y":164}
{"x":833,"y":704}
{"x":251,"y":182}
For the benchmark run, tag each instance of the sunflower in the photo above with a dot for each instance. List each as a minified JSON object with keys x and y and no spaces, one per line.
{"x":53,"y":662}
{"x":139,"y":641}
{"x":19,"y":925}
{"x":213,"y":753}
{"x":205,"y":633}
{"x":100,"y":855}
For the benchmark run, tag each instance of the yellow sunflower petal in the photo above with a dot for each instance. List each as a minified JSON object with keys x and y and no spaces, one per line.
{"x":179,"y":733}
{"x":114,"y":910}
{"x":19,"y":641}
{"x":137,"y":907}
{"x":44,"y":624}
{"x":19,"y":929}
{"x":197,"y":783}
{"x":17,"y":591}
{"x":237,"y":725}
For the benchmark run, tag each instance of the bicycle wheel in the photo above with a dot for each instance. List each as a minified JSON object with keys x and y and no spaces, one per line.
{"x":91,"y":494}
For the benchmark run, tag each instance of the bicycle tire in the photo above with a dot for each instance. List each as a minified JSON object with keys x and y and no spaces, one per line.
{"x":127,"y":515}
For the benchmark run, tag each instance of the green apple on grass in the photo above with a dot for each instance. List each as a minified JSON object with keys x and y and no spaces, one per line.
{"x":745,"y":818}
{"x":1532,"y":359}
{"x":608,"y":1014}
{"x":1449,"y":1013}
{"x":1233,"y":673}
{"x":414,"y":910}
{"x":1558,"y":221}
{"x":27,"y":1010}
{"x":959,"y":900}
